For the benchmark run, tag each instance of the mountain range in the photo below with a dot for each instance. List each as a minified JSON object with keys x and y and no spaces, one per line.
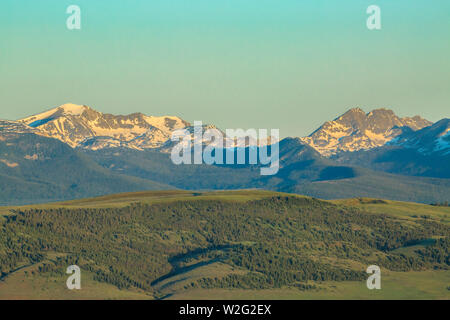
{"x":74,"y":151}
{"x":81,"y":126}
{"x":355,"y":130}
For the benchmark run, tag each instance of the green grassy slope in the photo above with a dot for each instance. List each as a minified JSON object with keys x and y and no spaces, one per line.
{"x":406,"y":210}
{"x":236,"y":244}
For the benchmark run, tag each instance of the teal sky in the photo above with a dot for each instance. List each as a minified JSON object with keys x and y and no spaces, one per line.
{"x":287,"y":64}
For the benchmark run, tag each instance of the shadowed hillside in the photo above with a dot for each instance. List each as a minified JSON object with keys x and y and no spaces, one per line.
{"x":39,"y":169}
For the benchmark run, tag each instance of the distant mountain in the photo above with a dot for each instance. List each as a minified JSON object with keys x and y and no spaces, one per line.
{"x":39,"y":169}
{"x":424,"y":152}
{"x":74,"y":151}
{"x":302,"y":170}
{"x":82,"y":126}
{"x":223,"y":142}
{"x":434,"y":139}
{"x":355,"y":130}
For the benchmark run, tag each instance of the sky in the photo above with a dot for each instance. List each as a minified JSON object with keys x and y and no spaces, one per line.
{"x":273,"y":64}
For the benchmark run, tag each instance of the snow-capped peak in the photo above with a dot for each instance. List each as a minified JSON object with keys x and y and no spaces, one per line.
{"x":74,"y":124}
{"x":435,"y":138}
{"x":355,"y":130}
{"x":73,"y":109}
{"x":63,"y":110}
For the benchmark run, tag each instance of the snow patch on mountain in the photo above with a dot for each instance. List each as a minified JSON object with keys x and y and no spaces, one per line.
{"x":356,"y":130}
{"x":429,"y":140}
{"x":9,"y":163}
{"x":82,"y":126}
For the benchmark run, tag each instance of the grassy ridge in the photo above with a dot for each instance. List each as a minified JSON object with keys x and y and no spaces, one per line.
{"x":406,"y":210}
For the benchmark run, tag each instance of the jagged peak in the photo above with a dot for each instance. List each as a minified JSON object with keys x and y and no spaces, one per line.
{"x":377,"y":111}
{"x":355,"y":130}
{"x":74,"y":123}
{"x":353,"y":113}
{"x":356,"y":110}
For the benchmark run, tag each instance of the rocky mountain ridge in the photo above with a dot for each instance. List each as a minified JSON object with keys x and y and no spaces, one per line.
{"x":357,"y":130}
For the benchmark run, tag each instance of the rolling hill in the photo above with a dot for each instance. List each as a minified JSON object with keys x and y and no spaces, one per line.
{"x":236,"y":244}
